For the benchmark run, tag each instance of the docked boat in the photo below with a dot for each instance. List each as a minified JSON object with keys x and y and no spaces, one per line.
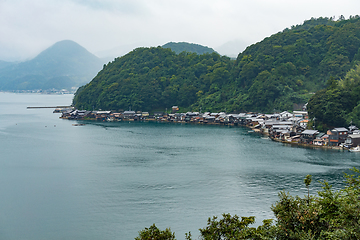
{"x":355,"y":149}
{"x":78,"y":124}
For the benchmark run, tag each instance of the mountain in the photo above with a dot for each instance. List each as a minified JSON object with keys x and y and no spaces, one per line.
{"x":148,"y":79}
{"x":281,"y":72}
{"x":232,"y":48}
{"x":65,"y":64}
{"x":187,"y":47}
{"x":4,"y":64}
{"x":285,"y":69}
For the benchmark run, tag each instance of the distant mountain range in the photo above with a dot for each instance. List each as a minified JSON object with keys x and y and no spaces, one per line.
{"x":64,"y":65}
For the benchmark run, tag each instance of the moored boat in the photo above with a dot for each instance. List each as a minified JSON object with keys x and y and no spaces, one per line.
{"x":355,"y":149}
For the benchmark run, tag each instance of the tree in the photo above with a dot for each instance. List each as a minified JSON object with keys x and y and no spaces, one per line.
{"x":153,"y":233}
{"x":231,"y":227}
{"x":330,"y":215}
{"x":307,"y":182}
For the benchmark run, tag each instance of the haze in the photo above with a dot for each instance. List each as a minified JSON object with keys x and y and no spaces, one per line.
{"x":114,"y":27}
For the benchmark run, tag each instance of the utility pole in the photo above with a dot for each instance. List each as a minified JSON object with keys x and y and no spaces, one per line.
{"x":314,"y":122}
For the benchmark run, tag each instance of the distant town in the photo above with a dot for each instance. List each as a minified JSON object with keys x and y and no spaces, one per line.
{"x":46,"y":91}
{"x":285,"y":127}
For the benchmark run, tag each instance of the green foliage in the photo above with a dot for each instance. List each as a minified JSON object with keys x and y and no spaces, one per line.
{"x":188,"y":47}
{"x":154,"y":233}
{"x":332,"y":214}
{"x":272,"y":72}
{"x":155,"y":78}
{"x":307,"y":182}
{"x":338,"y":104}
{"x":279,"y":72}
{"x":231,"y":227}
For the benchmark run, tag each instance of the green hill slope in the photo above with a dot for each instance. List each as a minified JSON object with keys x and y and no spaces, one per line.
{"x":284,"y":68}
{"x":154,"y":78}
{"x":64,"y":65}
{"x":188,"y":47}
{"x":339,"y":104}
{"x":281,"y":72}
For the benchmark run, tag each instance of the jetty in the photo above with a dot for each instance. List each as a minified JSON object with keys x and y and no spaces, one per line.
{"x":50,"y":107}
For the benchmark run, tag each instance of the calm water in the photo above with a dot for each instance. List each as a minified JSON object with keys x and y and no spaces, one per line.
{"x":110,"y":180}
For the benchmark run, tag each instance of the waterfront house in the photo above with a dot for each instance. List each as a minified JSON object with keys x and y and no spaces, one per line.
{"x":100,"y":115}
{"x":294,"y":139}
{"x":308,"y":136}
{"x":321,"y":139}
{"x":81,"y":114}
{"x":158,"y":114}
{"x":128,"y":114}
{"x":209,"y":119}
{"x":145,"y":115}
{"x":284,"y":135}
{"x":337,"y":136}
{"x":352,"y":140}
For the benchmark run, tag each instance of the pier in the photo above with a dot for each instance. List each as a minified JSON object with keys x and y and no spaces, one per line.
{"x":50,"y":107}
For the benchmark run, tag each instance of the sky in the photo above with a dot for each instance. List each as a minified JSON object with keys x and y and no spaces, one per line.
{"x":115,"y":27}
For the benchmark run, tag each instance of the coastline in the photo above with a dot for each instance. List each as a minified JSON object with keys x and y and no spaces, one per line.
{"x":219,"y":119}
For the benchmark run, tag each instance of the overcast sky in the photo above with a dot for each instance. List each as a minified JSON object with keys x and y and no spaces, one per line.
{"x":29,"y":26}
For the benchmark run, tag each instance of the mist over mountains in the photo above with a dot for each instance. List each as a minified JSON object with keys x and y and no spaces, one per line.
{"x":64,"y":65}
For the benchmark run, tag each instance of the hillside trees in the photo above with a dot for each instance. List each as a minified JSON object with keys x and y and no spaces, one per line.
{"x":300,"y":61}
{"x":338,"y":104}
{"x":155,"y":78}
{"x":278,"y":73}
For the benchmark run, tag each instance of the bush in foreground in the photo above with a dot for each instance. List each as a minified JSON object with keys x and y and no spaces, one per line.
{"x":332,"y":214}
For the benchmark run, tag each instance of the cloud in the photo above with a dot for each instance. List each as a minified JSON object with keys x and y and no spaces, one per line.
{"x":27,"y":27}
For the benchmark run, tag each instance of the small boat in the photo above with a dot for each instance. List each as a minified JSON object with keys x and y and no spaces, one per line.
{"x":78,"y":124}
{"x":355,"y":149}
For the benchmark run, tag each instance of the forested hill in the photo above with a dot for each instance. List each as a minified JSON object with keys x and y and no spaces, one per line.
{"x":286,"y":67}
{"x":149,"y":79}
{"x":280,"y":72}
{"x":187,"y":47}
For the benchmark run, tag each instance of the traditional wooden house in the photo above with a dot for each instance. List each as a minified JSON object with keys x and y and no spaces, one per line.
{"x":321,"y":139}
{"x":352,"y":140}
{"x":337,"y":136}
{"x":308,"y":136}
{"x":209,"y":119}
{"x":100,"y":115}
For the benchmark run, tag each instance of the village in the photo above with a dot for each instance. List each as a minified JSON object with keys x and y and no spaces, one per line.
{"x":285,"y":127}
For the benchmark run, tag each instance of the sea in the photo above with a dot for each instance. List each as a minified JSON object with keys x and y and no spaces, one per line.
{"x":110,"y":180}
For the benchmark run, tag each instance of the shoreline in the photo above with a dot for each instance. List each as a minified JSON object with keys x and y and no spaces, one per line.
{"x":221,"y":123}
